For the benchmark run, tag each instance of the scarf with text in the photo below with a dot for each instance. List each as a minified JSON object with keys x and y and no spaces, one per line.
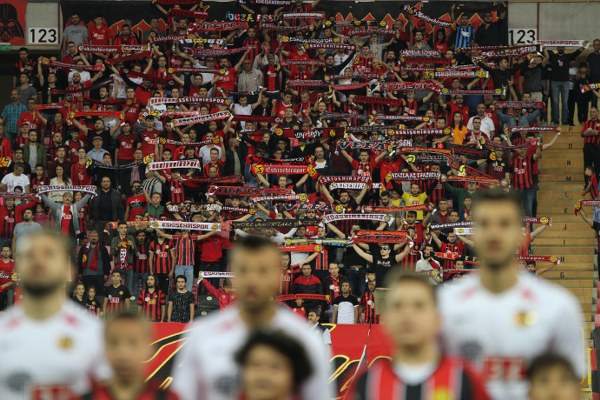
{"x":410,"y":86}
{"x":564,"y":43}
{"x":244,"y":191}
{"x":593,"y":203}
{"x":184,"y":164}
{"x":316,"y":133}
{"x":91,"y":189}
{"x":128,"y":57}
{"x":411,"y":176}
{"x":214,"y":26}
{"x":551,"y":259}
{"x":518,"y":104}
{"x":535,"y":129}
{"x":455,"y":74}
{"x":214,"y":52}
{"x":112,"y":48}
{"x":218,"y":116}
{"x":511,"y":51}
{"x":251,"y":17}
{"x":193,"y":226}
{"x":415,"y":12}
{"x":285,"y":197}
{"x":46,"y":62}
{"x":427,"y":60}
{"x":310,"y":15}
{"x":452,"y":92}
{"x":351,"y":217}
{"x":188,"y":99}
{"x":368,"y":236}
{"x":283,"y":169}
{"x":276,"y":223}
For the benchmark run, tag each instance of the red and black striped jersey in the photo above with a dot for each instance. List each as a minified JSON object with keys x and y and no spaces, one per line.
{"x":177,"y":191}
{"x":161,"y":256}
{"x":367,"y":302}
{"x":456,"y":248}
{"x":452,"y":379}
{"x":521,"y":169}
{"x":151,"y":303}
{"x":590,"y":124}
{"x":186,"y":251}
{"x":141,"y":261}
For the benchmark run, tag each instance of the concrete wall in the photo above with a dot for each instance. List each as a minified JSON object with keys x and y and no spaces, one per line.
{"x":555,"y":21}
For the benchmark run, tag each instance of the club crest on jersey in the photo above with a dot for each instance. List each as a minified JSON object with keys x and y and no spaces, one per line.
{"x":525,"y":318}
{"x":442,"y":394}
{"x":65,"y":342}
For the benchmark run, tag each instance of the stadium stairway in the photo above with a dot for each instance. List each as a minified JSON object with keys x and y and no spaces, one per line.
{"x":561,"y":184}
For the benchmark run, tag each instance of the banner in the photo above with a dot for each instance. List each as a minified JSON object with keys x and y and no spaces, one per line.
{"x":349,"y":342}
{"x":13,"y":22}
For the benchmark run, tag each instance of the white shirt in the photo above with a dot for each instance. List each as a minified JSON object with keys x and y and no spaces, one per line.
{"x":66,"y":349}
{"x":84,"y":75}
{"x":424,"y":266}
{"x":205,"y":367}
{"x":12,"y":181}
{"x":204,"y":153}
{"x":487,"y":125}
{"x":503,"y":333}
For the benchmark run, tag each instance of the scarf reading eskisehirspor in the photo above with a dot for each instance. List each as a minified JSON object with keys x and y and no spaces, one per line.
{"x":414,"y":11}
{"x":91,"y":189}
{"x":188,"y":99}
{"x":112,"y":48}
{"x":214,"y":26}
{"x":194,"y":226}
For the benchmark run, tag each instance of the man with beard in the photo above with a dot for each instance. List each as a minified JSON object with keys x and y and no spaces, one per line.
{"x":533,"y":315}
{"x":24,"y":228}
{"x":152,"y":301}
{"x":50,"y":348}
{"x":94,"y":263}
{"x":428,"y":266}
{"x":205,"y":367}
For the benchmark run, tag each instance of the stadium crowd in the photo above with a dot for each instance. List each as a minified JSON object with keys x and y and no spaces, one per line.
{"x":337,"y":155}
{"x":355,"y":146}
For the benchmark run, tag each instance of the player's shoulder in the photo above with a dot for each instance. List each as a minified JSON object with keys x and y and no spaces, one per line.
{"x":79,"y":317}
{"x":461,"y":288}
{"x":546,"y":291}
{"x":216,"y":324}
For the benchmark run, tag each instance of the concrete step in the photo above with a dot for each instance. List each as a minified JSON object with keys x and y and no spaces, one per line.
{"x":566,"y":241}
{"x":561,"y":273}
{"x":560,"y":178}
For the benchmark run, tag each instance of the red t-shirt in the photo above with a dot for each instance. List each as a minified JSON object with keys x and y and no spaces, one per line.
{"x":6,"y":271}
{"x":136,"y":204}
{"x":148,"y":140}
{"x":363,"y":169}
{"x":126,"y":146}
{"x":99,"y":35}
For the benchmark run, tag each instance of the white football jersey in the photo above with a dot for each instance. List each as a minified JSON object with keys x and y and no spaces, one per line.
{"x":46,"y":359}
{"x":205,"y":367}
{"x":502,"y":333}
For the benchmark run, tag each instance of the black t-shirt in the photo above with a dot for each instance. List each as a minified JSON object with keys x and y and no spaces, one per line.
{"x":380,"y":266}
{"x":93,"y":304}
{"x":116,"y":297}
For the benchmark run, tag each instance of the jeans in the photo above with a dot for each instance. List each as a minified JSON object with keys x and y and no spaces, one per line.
{"x":128,"y":275}
{"x":527,"y":199}
{"x":188,"y":272}
{"x":560,"y":88}
{"x":137,"y":277}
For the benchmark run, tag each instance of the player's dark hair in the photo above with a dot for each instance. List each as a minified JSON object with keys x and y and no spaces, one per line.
{"x":288,"y":347}
{"x":550,"y":360}
{"x":497,"y":196}
{"x":398,"y":276}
